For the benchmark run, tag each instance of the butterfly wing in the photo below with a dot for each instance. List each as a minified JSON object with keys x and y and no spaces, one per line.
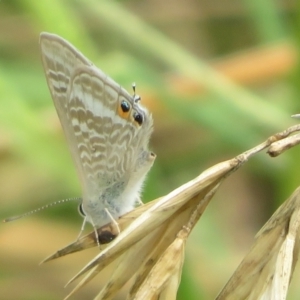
{"x":106,"y":128}
{"x":60,"y":60}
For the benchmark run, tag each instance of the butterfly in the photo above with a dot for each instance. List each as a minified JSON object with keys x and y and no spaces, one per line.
{"x":106,"y":128}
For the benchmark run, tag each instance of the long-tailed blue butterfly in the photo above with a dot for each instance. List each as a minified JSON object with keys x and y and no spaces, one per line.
{"x":107,"y":131}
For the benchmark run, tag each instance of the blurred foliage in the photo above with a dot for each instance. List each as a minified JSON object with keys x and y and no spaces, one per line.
{"x":182,"y":55}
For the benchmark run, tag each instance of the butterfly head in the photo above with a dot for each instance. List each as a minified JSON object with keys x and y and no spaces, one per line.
{"x":131,"y":110}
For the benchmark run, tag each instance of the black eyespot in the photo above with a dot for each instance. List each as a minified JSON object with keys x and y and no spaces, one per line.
{"x":125,"y":106}
{"x":106,"y":237}
{"x":138,"y":118}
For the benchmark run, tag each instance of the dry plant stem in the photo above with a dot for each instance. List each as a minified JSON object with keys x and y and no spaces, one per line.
{"x":89,"y":240}
{"x":158,"y":213}
{"x":281,"y":146}
{"x":272,"y":139}
{"x":166,"y":271}
{"x":165,"y":223}
{"x":164,"y":278}
{"x":278,"y":143}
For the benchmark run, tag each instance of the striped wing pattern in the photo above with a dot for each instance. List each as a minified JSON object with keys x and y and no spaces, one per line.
{"x":106,"y":128}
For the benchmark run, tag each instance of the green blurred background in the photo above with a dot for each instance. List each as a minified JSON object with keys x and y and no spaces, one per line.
{"x":219,"y":76}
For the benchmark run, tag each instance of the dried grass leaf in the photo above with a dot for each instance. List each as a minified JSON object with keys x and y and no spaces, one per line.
{"x":150,"y":247}
{"x":266,"y":271}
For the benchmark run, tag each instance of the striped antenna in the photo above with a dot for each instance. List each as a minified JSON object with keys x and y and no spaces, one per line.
{"x":40,"y":209}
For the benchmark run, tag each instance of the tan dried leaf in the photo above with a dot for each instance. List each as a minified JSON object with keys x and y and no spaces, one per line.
{"x":266,"y":271}
{"x":149,"y":251}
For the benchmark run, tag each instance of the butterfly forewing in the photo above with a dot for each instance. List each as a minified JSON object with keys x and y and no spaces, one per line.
{"x":106,"y":128}
{"x":60,"y":59}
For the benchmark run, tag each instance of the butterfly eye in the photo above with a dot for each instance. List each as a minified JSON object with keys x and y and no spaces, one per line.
{"x":80,"y":210}
{"x":125,"y":106}
{"x":138,"y":118}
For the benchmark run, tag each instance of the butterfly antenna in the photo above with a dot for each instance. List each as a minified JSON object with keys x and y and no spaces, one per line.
{"x":136,"y":98}
{"x":39,"y":209}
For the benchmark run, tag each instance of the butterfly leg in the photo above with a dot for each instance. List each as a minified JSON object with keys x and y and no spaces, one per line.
{"x":115,"y":223}
{"x":97,"y":236}
{"x":82,"y":228}
{"x":139,"y":202}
